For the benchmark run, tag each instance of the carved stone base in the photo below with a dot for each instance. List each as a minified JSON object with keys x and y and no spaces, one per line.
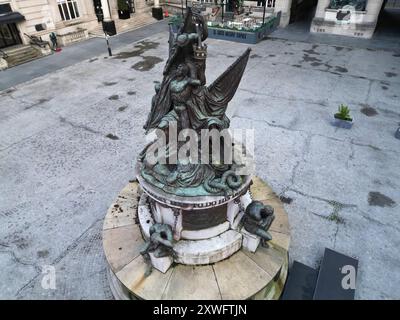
{"x":243,"y":275}
{"x":358,"y":30}
{"x":161,"y":264}
{"x":250,"y":241}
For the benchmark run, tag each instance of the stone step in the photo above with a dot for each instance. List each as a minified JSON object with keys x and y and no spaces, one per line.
{"x":15,"y":63}
{"x":21,"y":59}
{"x":16,"y":49}
{"x":21,"y":55}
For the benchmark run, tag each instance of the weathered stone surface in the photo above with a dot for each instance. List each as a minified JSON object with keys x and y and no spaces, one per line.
{"x":270,"y":259}
{"x":202,"y":284}
{"x":208,"y":250}
{"x":260,"y":191}
{"x":122,"y":245}
{"x":280,"y":239}
{"x":149,"y":288}
{"x":145,"y":217}
{"x":239,"y":277}
{"x":123,"y":211}
{"x":205,"y":233}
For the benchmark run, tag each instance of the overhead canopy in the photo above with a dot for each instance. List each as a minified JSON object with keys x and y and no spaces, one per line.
{"x":11,"y":17}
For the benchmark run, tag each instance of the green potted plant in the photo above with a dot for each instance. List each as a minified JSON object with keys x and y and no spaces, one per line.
{"x":343,"y":118}
{"x":123,"y":9}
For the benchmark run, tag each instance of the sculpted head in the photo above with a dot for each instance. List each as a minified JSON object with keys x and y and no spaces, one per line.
{"x":182,"y":70}
{"x":258,"y":211}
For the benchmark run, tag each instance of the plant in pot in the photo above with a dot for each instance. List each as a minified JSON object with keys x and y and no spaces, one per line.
{"x":123,"y":9}
{"x":343,"y":118}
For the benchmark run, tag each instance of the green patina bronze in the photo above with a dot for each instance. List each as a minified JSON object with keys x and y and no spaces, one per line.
{"x":257,"y":220}
{"x":183,"y":100}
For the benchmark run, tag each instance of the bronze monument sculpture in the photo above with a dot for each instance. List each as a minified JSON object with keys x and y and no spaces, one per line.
{"x":195,"y":218}
{"x":183,"y":100}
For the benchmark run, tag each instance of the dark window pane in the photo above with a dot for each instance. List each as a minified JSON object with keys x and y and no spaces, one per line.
{"x":71,"y":10}
{"x":66,"y":11}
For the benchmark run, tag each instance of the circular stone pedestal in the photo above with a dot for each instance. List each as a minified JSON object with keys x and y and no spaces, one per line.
{"x":244,"y":275}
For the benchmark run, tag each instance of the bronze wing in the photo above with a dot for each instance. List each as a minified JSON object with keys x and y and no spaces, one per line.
{"x":224,"y":87}
{"x":171,"y":39}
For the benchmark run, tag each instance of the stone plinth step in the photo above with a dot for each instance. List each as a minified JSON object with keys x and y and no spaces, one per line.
{"x":21,"y":54}
{"x":206,"y":251}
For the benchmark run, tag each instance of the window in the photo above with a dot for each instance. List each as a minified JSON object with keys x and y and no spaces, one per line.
{"x":68,"y":9}
{"x":268,"y":3}
{"x":5,"y":8}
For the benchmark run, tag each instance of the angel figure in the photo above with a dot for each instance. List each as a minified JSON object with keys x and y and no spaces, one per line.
{"x":184,"y":99}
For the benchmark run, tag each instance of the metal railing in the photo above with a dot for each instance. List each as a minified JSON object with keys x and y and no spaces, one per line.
{"x":37,"y":41}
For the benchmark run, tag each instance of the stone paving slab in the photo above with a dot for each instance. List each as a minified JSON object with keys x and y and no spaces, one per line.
{"x":68,"y":141}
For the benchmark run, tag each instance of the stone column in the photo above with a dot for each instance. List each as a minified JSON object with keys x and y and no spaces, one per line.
{"x":283,"y":6}
{"x":373,"y":8}
{"x":320,"y":11}
{"x":106,"y":10}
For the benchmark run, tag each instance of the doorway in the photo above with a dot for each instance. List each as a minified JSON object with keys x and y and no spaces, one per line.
{"x":388,"y":24}
{"x":302,"y":11}
{"x":9,"y":35}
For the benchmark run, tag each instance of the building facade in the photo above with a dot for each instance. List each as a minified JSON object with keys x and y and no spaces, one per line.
{"x":356,"y":18}
{"x":73,"y":20}
{"x":70,"y":20}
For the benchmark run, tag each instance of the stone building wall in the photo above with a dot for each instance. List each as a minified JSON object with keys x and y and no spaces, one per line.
{"x":357,"y":24}
{"x":47,"y":14}
{"x":277,"y":5}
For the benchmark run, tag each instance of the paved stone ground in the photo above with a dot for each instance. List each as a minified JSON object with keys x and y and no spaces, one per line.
{"x":68,"y":141}
{"x":73,"y":54}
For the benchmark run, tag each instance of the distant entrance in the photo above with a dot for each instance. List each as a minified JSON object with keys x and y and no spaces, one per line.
{"x":9,"y":35}
{"x":302,"y":10}
{"x":389,"y":19}
{"x":98,"y":10}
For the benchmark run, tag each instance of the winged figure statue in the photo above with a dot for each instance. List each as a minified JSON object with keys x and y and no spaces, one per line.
{"x":183,"y":99}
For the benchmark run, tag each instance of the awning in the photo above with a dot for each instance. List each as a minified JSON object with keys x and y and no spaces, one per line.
{"x":11,"y":17}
